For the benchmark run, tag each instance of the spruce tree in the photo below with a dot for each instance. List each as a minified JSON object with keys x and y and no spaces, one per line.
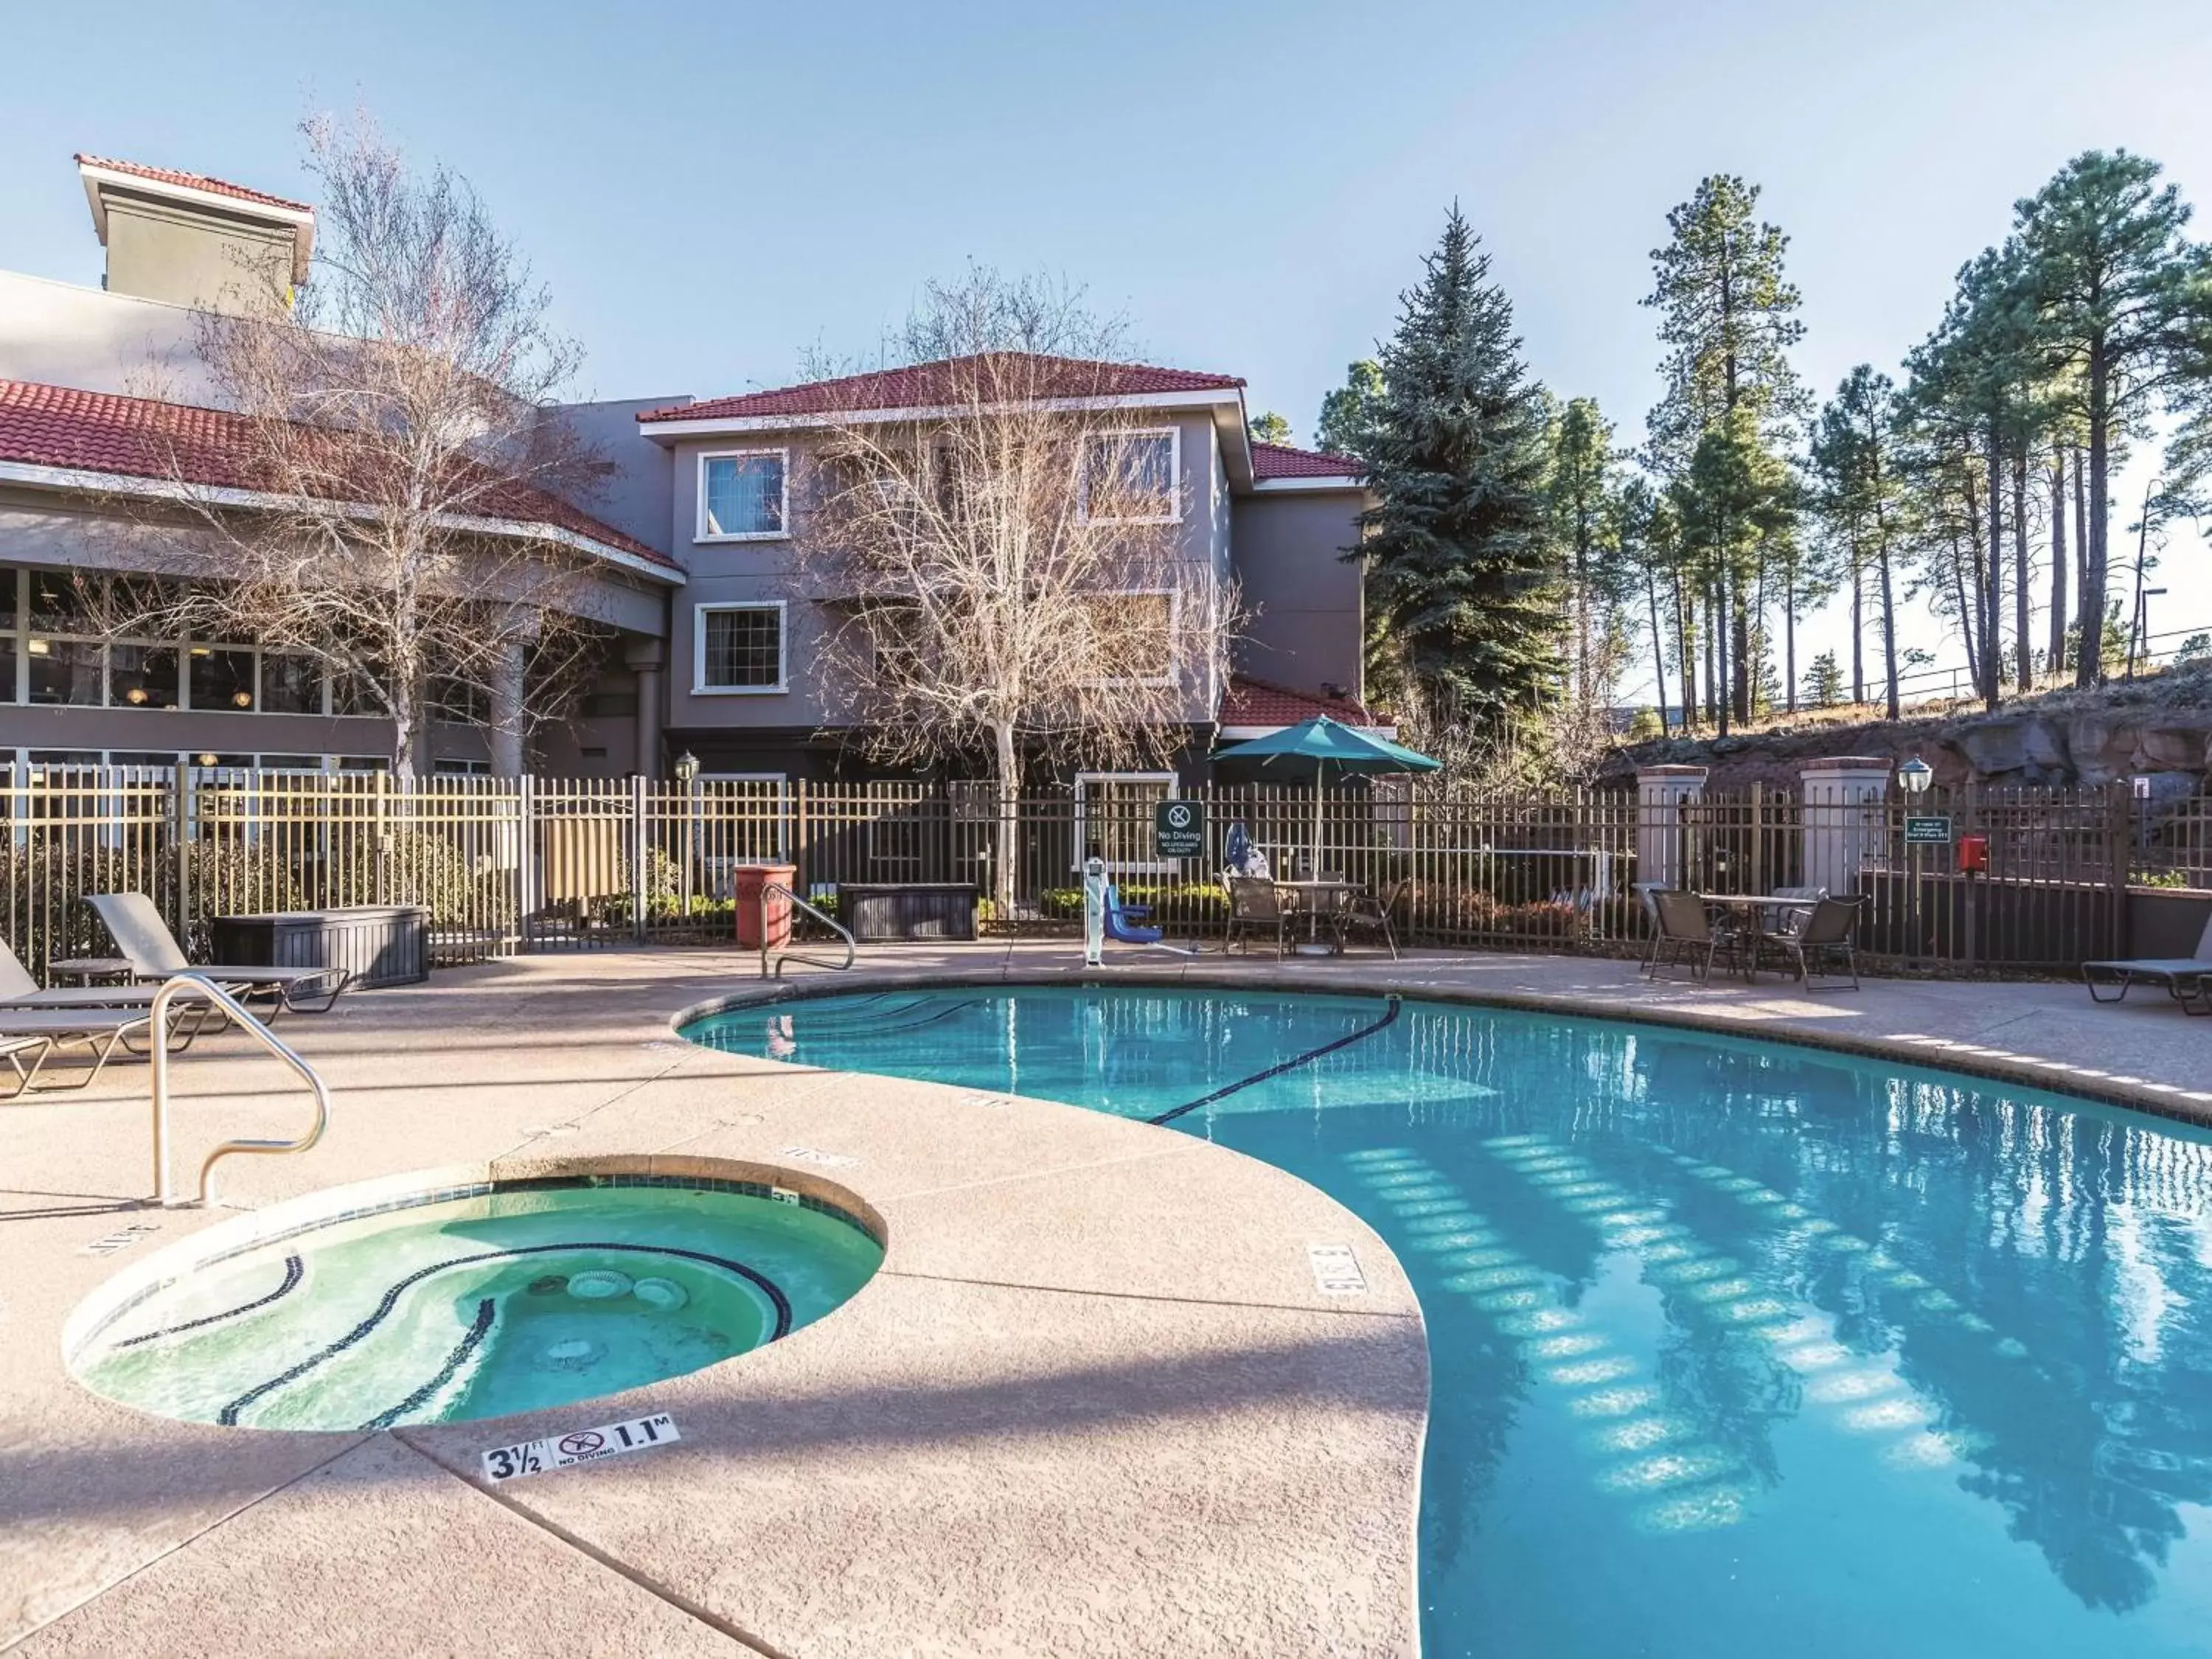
{"x":1463,"y":569}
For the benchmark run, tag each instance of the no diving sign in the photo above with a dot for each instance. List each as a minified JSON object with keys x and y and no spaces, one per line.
{"x":1179,"y":830}
{"x":563,"y":1451}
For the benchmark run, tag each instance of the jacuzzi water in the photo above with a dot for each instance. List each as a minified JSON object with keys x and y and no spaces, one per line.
{"x":1738,"y":1349}
{"x":523,"y":1298}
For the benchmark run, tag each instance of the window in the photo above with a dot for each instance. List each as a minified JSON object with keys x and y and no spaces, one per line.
{"x":1136,"y":637}
{"x":143,"y":677}
{"x":738,"y":649}
{"x":1133,"y":478}
{"x":290,"y":684}
{"x":221,"y":677}
{"x":1115,"y":810}
{"x":742,"y":495}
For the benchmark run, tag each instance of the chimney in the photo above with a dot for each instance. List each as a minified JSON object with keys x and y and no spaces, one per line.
{"x":192,"y":240}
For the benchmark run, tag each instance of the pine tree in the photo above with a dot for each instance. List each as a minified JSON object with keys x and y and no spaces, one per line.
{"x":1463,"y":566}
{"x":1729,"y":316}
{"x":2122,"y":306}
{"x":1269,"y":428}
{"x":1735,"y":502}
{"x":1824,"y":682}
{"x":1858,"y":487}
{"x":1975,"y":376}
{"x":1581,"y":465}
{"x":1347,"y":414}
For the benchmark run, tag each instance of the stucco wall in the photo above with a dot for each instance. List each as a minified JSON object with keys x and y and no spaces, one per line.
{"x":159,"y":251}
{"x":1303,"y":595}
{"x":59,"y":334}
{"x":758,"y":571}
{"x":636,"y":498}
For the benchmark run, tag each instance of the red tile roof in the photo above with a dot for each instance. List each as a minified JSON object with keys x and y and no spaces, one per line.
{"x":65,"y":427}
{"x":1259,"y":702}
{"x":1281,"y":461}
{"x":927,"y":386}
{"x":193,"y":181}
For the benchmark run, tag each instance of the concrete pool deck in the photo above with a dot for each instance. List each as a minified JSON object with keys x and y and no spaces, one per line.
{"x":1094,"y":1402}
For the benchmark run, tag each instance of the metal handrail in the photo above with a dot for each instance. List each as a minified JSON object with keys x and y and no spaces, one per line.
{"x":851,"y":950}
{"x":206,"y":989}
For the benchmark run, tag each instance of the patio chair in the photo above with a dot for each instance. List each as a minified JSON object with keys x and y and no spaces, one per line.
{"x":153,"y":953}
{"x":37,"y":1034}
{"x":18,"y":990}
{"x":1792,"y":920}
{"x":2187,"y":979}
{"x":1256,"y":905}
{"x":1688,"y":932}
{"x":1828,"y":935}
{"x":1362,"y":912}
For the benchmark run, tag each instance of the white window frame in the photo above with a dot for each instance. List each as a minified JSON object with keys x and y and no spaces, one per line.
{"x":699,"y":686}
{"x":1174,"y":435}
{"x":701,"y":534}
{"x":1082,"y":782}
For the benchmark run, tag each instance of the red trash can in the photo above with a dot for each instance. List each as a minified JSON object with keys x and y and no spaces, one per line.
{"x":746,"y":881}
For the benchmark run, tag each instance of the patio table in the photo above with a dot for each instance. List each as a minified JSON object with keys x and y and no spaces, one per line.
{"x":1748,"y":906}
{"x":1313,"y":896}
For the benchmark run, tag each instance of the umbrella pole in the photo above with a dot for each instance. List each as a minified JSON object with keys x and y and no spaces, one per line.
{"x":1314,"y":869}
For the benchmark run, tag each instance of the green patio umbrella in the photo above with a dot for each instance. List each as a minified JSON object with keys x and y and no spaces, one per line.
{"x":1333,"y":751}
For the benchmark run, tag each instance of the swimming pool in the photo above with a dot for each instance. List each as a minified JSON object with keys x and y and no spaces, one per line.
{"x":453,"y":1306}
{"x":1737,"y":1348}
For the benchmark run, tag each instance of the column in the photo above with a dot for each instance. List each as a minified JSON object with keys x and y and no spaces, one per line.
{"x":1845,"y":801}
{"x":644,"y":658}
{"x":1661,"y":791}
{"x":508,"y":722}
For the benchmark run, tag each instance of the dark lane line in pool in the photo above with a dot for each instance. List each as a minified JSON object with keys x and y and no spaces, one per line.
{"x":901,"y":1031}
{"x":294,"y":1271}
{"x":1282,"y":1066}
{"x":228,"y":1415}
{"x":486,"y":1309}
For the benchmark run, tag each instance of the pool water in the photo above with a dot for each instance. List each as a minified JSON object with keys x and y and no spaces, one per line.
{"x":1738,"y":1348}
{"x":513,"y":1300}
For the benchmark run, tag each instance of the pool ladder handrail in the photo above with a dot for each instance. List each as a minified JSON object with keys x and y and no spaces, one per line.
{"x":787,"y":955}
{"x":202,"y":988}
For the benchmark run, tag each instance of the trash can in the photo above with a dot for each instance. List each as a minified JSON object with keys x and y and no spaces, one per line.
{"x":746,"y":881}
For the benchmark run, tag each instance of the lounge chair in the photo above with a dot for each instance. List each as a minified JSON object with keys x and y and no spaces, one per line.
{"x":2187,"y":979}
{"x":1687,"y":933}
{"x":1255,"y":906}
{"x":37,"y":1034}
{"x":153,"y":953}
{"x":1118,"y":927}
{"x":1827,"y":935}
{"x":1361,"y":912}
{"x":18,"y":990}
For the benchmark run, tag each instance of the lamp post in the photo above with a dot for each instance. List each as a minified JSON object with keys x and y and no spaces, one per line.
{"x":1914,"y":777}
{"x":687,"y":774}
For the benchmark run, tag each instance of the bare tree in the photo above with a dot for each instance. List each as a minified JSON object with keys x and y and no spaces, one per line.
{"x":1010,"y":569}
{"x":405,"y":522}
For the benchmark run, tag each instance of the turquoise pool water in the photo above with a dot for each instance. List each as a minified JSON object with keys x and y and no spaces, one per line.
{"x":529,"y":1296}
{"x":1739,"y":1349}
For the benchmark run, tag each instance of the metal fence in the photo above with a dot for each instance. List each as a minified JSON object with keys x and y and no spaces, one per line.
{"x":506,"y":864}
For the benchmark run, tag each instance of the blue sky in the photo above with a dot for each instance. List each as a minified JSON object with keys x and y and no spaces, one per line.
{"x":710,"y":190}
